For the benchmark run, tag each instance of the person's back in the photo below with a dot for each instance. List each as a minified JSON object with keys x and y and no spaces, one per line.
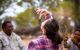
{"x":41,"y":43}
{"x":50,"y":38}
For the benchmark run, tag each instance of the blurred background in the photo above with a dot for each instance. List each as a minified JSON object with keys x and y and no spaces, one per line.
{"x":25,"y":19}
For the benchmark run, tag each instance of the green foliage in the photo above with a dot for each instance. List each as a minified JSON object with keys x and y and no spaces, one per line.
{"x":23,"y":19}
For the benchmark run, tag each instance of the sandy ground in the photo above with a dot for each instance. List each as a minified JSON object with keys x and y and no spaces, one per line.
{"x":26,"y":41}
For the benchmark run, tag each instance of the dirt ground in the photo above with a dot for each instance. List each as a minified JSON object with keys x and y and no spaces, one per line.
{"x":27,"y":39}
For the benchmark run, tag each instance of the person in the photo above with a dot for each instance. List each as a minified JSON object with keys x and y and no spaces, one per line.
{"x":8,"y":39}
{"x":64,"y":42}
{"x":73,"y":43}
{"x":50,"y":39}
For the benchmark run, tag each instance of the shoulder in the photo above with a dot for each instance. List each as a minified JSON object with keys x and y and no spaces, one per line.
{"x":1,"y":32}
{"x":1,"y":35}
{"x":32,"y":44}
{"x":34,"y":41}
{"x":41,"y":40}
{"x":16,"y":36}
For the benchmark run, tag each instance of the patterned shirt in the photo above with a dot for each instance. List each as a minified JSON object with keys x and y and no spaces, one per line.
{"x":42,"y":43}
{"x":12,"y":42}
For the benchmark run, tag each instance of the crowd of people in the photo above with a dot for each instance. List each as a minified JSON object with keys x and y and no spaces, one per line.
{"x":49,"y":40}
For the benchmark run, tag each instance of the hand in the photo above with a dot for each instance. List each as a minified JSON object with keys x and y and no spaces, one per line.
{"x":43,"y":12}
{"x":40,"y":16}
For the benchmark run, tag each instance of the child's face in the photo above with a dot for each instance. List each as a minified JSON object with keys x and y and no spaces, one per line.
{"x":77,"y":35}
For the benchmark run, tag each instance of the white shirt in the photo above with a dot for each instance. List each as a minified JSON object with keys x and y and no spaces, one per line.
{"x":72,"y":45}
{"x":12,"y":42}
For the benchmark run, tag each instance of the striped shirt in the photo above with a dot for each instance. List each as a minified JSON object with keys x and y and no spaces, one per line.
{"x":42,"y":43}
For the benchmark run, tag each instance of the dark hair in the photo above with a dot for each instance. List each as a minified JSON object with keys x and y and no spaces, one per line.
{"x":52,"y":27}
{"x":5,"y":23}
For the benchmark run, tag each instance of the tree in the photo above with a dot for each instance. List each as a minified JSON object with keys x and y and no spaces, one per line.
{"x":26,"y":18}
{"x":4,"y":4}
{"x":75,"y":10}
